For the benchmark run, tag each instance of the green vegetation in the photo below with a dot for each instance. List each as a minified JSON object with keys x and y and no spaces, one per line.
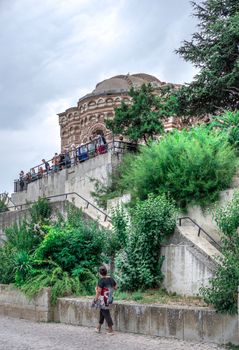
{"x":3,"y":202}
{"x":213,"y":50}
{"x":157,"y":296}
{"x":228,"y":123}
{"x":63,"y":255}
{"x":138,"y":264}
{"x":223,"y":290}
{"x":142,"y":119}
{"x":190,"y":166}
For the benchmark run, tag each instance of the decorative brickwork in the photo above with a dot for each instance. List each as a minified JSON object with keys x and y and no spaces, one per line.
{"x":78,"y":124}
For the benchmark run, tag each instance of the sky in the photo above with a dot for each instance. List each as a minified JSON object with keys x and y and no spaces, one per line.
{"x":55,"y":51}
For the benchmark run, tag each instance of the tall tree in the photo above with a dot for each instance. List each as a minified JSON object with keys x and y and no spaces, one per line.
{"x":143,"y":118}
{"x":214,"y":49}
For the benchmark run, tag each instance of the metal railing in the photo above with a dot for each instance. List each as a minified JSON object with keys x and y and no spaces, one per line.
{"x":66,"y":195}
{"x":200,"y":229}
{"x":117,"y":146}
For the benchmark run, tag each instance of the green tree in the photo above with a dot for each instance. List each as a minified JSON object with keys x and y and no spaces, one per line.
{"x":138,"y":264}
{"x":228,"y":122}
{"x":214,"y":49}
{"x":142,"y":119}
{"x":191,"y":166}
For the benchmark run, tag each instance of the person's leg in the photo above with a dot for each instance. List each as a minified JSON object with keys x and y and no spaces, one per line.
{"x":101,"y":320}
{"x":108,"y":319}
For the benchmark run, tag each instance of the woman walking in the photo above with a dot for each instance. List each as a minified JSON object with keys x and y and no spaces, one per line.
{"x":104,"y":296}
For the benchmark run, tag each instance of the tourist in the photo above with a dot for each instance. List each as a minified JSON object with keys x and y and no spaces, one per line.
{"x":47,"y":166}
{"x":92,"y":147}
{"x":40,"y":172}
{"x":82,"y":153}
{"x":62,"y":160}
{"x":55,"y":162}
{"x":73,"y":154}
{"x":21,"y":180}
{"x":33,"y":174}
{"x":104,"y":297}
{"x":67,"y":159}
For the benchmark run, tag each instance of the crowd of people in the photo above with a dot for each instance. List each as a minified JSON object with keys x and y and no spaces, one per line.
{"x":66,"y":159}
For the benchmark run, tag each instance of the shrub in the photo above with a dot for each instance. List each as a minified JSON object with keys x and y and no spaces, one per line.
{"x":61,"y":283}
{"x":139,"y":264}
{"x":222,"y":292}
{"x":7,"y":264}
{"x":40,"y":211}
{"x":70,"y":246}
{"x":229,"y":123}
{"x":192,"y":166}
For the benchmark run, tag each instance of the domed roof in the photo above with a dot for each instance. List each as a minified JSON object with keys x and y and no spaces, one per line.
{"x":125,"y":83}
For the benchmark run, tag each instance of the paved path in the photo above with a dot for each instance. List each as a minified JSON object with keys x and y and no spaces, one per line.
{"x":18,"y":334}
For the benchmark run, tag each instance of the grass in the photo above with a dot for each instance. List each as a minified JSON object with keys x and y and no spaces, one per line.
{"x":157,"y":296}
{"x":232,"y":347}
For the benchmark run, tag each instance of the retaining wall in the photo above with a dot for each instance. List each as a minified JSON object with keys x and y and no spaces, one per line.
{"x":13,"y":303}
{"x":189,"y":262}
{"x":186,"y":323}
{"x":10,"y":218}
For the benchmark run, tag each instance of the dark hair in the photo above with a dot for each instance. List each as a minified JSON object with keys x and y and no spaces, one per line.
{"x":103,"y":270}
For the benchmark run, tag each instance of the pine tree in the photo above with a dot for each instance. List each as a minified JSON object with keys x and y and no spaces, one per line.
{"x":214,"y":49}
{"x":143,"y":118}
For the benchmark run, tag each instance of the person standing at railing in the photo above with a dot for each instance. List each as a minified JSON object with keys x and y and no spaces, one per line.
{"x":92,"y":147}
{"x":33,"y":174}
{"x":67,"y":159}
{"x":47,"y":166}
{"x":55,"y":162}
{"x":21,"y":180}
{"x":73,"y":154}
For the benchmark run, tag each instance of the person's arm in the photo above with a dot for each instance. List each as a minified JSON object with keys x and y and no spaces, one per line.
{"x":98,"y":292}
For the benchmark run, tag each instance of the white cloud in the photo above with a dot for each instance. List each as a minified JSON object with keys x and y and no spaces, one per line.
{"x":55,"y":51}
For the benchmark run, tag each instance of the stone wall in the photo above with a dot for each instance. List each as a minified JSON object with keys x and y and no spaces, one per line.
{"x":75,"y":179}
{"x":186,"y":323}
{"x":10,"y":218}
{"x":189,"y":262}
{"x":13,"y":303}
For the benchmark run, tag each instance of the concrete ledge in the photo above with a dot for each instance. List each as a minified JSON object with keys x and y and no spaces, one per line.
{"x":14,"y":303}
{"x":199,"y":324}
{"x":186,"y":323}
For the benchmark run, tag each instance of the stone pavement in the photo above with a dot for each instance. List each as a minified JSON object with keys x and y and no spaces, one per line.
{"x":18,"y":334}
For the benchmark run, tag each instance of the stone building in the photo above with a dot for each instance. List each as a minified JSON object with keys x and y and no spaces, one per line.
{"x":78,"y":124}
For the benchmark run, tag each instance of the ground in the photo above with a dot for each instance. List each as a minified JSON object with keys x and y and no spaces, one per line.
{"x":18,"y":334}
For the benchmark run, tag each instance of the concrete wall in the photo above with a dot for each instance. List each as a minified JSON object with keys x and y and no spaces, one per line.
{"x":75,"y":179}
{"x":189,"y":262}
{"x":10,"y":218}
{"x":13,"y":303}
{"x":186,"y":323}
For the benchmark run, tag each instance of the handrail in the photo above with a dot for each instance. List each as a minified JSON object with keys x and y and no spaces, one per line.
{"x":117,"y":145}
{"x":199,"y":230}
{"x":106,"y":216}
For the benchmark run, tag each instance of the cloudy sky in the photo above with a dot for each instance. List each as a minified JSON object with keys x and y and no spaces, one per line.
{"x":55,"y":51}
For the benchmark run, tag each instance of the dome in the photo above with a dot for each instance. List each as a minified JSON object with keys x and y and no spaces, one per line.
{"x":125,"y":83}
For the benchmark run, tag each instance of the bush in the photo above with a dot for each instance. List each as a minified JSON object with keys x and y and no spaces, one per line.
{"x":192,"y":166}
{"x":61,"y":283}
{"x":63,"y":255}
{"x":229,"y":123}
{"x":139,"y":264}
{"x":7,"y":264}
{"x":222,"y":292}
